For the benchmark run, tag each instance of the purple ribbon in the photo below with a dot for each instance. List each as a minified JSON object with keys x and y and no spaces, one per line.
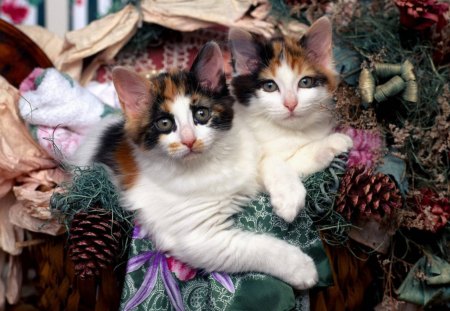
{"x":225,"y":280}
{"x":147,"y":284}
{"x":157,"y":262}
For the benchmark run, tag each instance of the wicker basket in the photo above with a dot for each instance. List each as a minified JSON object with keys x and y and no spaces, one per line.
{"x":19,"y":55}
{"x":50,"y":283}
{"x":60,"y":290}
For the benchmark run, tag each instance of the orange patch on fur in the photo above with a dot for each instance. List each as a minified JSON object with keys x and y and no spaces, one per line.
{"x":309,"y":68}
{"x":174,"y":147}
{"x":171,"y":90}
{"x":275,"y":62}
{"x":198,"y":145}
{"x":306,"y":70}
{"x":293,"y":54}
{"x":134,"y":126}
{"x":290,"y":52}
{"x":218,"y":109}
{"x":332,"y":77}
{"x":165,"y":106}
{"x":195,"y":97}
{"x":127,"y":165}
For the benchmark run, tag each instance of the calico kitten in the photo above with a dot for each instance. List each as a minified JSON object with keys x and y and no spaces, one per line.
{"x":185,"y":163}
{"x":285,"y":87}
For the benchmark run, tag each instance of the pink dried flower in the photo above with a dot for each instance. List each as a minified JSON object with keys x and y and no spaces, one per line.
{"x":366,"y":147}
{"x":432,"y":210}
{"x":422,"y":14}
{"x":181,"y":270}
{"x":14,"y":10}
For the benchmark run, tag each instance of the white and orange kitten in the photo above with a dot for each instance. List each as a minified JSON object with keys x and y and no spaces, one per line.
{"x":285,"y":86}
{"x":185,"y":163}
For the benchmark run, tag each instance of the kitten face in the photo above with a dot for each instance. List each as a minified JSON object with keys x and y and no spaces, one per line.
{"x":284,"y":79}
{"x":180,"y":114}
{"x":185,"y":120}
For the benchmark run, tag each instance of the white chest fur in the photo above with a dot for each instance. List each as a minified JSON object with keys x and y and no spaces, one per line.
{"x":172,"y":199}
{"x":282,"y":141}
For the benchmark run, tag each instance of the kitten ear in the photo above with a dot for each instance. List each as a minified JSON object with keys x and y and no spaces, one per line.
{"x":244,"y":51}
{"x":133,"y":91}
{"x":208,"y":67}
{"x":317,"y":42}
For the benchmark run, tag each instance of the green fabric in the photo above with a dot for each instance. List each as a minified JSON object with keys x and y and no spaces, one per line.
{"x":270,"y":293}
{"x":253,"y":291}
{"x":39,"y":79}
{"x":109,"y":110}
{"x":427,"y":283}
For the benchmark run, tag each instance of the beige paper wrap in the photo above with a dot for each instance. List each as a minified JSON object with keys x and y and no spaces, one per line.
{"x":104,"y":38}
{"x":28,"y":170}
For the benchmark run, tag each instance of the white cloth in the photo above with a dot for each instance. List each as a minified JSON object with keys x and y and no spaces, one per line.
{"x":60,"y":101}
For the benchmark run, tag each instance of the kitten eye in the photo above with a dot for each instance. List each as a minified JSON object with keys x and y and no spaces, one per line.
{"x":306,"y":82}
{"x":164,"y":124}
{"x":270,"y":86}
{"x":202,"y":115}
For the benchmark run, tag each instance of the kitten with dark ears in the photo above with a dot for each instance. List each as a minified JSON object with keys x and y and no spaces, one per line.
{"x":185,"y":163}
{"x":285,"y":86}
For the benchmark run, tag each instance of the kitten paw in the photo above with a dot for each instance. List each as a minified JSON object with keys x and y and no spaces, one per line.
{"x":287,"y":200}
{"x":340,"y":143}
{"x":337,"y":143}
{"x":304,"y":273}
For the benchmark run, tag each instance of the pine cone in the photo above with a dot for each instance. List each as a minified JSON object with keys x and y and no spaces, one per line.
{"x":365,"y":193}
{"x":94,"y":242}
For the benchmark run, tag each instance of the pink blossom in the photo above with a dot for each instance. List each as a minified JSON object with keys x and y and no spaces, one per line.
{"x":181,"y":270}
{"x":366,"y":146}
{"x":422,"y":14}
{"x":15,"y":11}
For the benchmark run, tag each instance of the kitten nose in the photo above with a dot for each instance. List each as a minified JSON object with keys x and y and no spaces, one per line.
{"x":290,"y":103}
{"x":187,"y":137}
{"x":189,"y":142}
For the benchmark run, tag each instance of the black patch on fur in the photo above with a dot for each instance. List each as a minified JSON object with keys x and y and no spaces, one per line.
{"x":302,"y":41}
{"x":245,"y":86}
{"x":225,"y":119}
{"x":320,"y":80}
{"x":109,"y":141}
{"x":151,"y":136}
{"x":220,"y":97}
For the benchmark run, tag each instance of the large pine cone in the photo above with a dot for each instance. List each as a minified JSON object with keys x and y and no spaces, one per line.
{"x":94,"y":242}
{"x":362,"y":192}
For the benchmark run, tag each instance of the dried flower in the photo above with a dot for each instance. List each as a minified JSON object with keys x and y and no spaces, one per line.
{"x":311,"y":9}
{"x":349,"y":111}
{"x":367,"y":145}
{"x":343,"y":12}
{"x":441,"y":43}
{"x":432,"y":212}
{"x":422,"y":14}
{"x":182,"y":271}
{"x":429,"y":146}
